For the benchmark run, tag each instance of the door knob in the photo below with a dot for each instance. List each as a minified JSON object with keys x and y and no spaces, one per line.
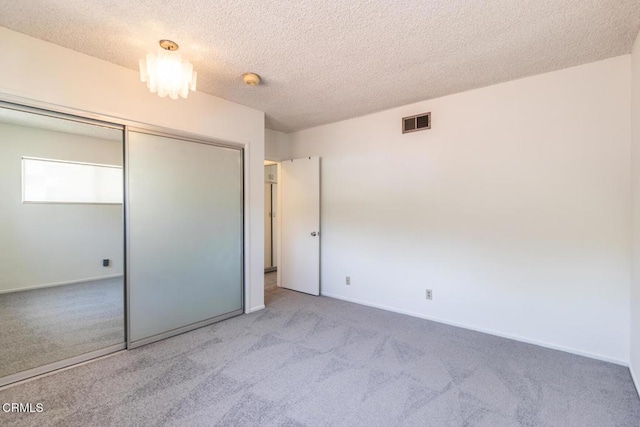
{"x":314,"y":234}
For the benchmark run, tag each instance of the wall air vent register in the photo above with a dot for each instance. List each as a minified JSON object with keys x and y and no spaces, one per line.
{"x":416,"y":123}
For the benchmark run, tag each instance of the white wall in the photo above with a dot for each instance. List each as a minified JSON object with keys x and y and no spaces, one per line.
{"x":514,"y":208}
{"x":276,"y":145}
{"x":44,"y":244}
{"x":634,"y":362}
{"x":48,"y":73}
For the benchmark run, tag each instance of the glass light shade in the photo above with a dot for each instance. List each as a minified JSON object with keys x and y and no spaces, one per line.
{"x":166,"y":74}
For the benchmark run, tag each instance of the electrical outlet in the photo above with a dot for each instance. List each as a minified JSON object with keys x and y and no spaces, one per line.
{"x":429,"y":294}
{"x":348,"y":280}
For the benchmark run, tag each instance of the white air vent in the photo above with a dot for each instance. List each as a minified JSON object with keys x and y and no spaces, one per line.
{"x":415,"y":123}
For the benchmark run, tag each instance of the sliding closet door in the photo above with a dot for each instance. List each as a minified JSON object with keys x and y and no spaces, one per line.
{"x":61,"y":241}
{"x":185,"y":222}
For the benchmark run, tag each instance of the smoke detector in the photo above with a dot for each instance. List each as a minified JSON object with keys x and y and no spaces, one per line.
{"x":251,"y":79}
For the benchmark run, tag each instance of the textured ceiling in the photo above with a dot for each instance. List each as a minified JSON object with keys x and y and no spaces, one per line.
{"x":323,"y":61}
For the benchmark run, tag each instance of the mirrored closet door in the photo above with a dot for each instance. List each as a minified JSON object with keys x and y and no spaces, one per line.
{"x":185,"y":241}
{"x":62,"y":234}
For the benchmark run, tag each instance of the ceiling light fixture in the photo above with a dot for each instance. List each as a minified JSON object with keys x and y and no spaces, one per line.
{"x":251,"y":79}
{"x":166,"y":73}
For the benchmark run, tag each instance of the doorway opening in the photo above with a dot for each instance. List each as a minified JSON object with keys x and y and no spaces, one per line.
{"x":292,"y":225}
{"x":270,"y":224}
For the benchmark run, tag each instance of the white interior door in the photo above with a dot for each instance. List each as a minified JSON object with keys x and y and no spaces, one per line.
{"x":274,"y":225}
{"x":299,"y":263}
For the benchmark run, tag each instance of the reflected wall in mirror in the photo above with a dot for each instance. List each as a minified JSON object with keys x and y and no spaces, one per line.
{"x":61,"y":228}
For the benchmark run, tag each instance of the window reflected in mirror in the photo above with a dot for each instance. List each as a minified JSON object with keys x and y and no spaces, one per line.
{"x":61,"y":228}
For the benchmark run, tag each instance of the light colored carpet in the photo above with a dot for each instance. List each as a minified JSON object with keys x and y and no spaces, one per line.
{"x":45,"y":325}
{"x":322,"y":362}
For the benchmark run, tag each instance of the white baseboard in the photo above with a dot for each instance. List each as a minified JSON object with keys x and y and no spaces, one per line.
{"x":51,"y":285}
{"x":254,"y":309}
{"x":635,"y":379}
{"x":485,"y":331}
